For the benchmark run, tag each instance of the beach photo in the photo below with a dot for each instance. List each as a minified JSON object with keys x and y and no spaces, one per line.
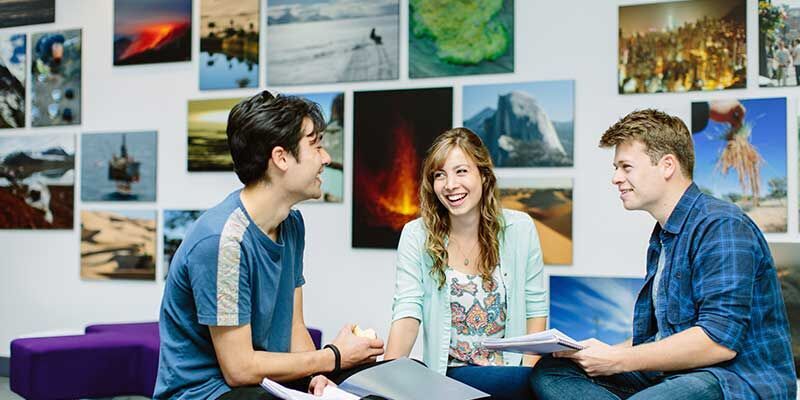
{"x":37,"y":181}
{"x":176,"y":224}
{"x":208,"y":140}
{"x":229,"y":32}
{"x":152,"y":31}
{"x":392,"y":130}
{"x":27,"y":12}
{"x":118,"y":166}
{"x":549,"y":202}
{"x":527,"y":124}
{"x":594,"y":307}
{"x":119,"y":244}
{"x":745,"y":165}
{"x":56,"y":78}
{"x":12,"y":80}
{"x":461,"y":38}
{"x":682,"y":46}
{"x":360,"y":41}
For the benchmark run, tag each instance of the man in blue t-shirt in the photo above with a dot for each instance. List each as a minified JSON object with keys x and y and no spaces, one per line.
{"x":232,"y":311}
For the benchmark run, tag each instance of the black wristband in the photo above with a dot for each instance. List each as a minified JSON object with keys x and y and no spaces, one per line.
{"x":337,"y":356}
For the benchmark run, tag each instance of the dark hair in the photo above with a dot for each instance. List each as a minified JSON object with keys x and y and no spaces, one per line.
{"x":260,"y":123}
{"x":660,"y":133}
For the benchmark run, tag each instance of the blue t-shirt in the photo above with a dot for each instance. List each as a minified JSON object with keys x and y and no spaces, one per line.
{"x":226,"y":272}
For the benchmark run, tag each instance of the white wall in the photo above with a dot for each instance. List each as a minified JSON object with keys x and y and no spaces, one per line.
{"x":40,"y":287}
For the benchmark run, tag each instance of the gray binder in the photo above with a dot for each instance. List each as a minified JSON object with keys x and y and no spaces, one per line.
{"x":405,"y":379}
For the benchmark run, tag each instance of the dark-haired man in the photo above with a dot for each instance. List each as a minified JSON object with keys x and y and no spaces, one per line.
{"x":709,"y":322}
{"x":232,"y":311}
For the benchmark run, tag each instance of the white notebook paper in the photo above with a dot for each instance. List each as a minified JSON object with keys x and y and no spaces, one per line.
{"x":330,"y":393}
{"x":545,"y":342}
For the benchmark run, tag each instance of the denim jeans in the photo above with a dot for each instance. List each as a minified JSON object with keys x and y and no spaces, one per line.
{"x":498,"y":381}
{"x":556,"y":378}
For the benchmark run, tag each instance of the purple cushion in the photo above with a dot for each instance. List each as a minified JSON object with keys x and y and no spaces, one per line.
{"x":139,"y":328}
{"x":109,"y":360}
{"x":68,"y":367}
{"x":316,"y":336}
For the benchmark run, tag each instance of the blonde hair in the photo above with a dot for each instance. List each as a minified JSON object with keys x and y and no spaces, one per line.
{"x":436,"y":217}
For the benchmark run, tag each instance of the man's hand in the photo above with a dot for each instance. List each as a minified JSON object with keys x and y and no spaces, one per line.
{"x":356,"y":350}
{"x":318,"y":384}
{"x":597,"y":358}
{"x":730,"y":111}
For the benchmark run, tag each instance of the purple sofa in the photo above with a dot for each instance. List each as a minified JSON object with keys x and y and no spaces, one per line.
{"x":109,"y":360}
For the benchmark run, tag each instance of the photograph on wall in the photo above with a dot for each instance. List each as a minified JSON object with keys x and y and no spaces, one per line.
{"x":787,"y":265}
{"x":118,"y":244}
{"x":549,"y":202}
{"x":37,"y":181}
{"x":327,"y":41}
{"x":176,"y":224}
{"x":229,"y":44}
{"x":594,"y":307}
{"x":118,"y":166}
{"x":682,"y":46}
{"x":744,"y":164}
{"x":528,"y":124}
{"x":779,"y":43}
{"x":208,"y":140}
{"x":27,"y":12}
{"x":460,"y":39}
{"x":332,"y":106}
{"x":12,"y":80}
{"x":392,"y":131}
{"x":56,"y":78}
{"x":152,"y":31}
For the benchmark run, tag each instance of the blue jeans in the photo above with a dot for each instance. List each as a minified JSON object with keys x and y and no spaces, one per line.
{"x":562,"y":379}
{"x":498,"y":381}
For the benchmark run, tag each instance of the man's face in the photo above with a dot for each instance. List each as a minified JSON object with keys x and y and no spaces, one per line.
{"x":641,"y":184}
{"x":304,"y":172}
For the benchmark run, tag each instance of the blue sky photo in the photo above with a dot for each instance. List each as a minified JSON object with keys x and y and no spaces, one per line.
{"x":555,"y":97}
{"x":601,"y":308}
{"x":767,"y":117}
{"x":323,"y":99}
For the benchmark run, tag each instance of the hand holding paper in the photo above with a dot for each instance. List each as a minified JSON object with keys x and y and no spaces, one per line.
{"x":597,"y":358}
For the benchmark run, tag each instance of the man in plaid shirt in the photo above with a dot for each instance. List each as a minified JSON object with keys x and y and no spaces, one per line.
{"x":710,"y":322}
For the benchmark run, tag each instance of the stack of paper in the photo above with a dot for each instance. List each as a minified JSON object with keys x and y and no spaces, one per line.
{"x":545,"y":342}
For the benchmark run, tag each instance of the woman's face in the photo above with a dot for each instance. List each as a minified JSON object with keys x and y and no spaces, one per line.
{"x":458,"y":184}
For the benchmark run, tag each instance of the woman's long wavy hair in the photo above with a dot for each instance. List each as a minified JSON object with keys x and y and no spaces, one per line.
{"x":436,"y":217}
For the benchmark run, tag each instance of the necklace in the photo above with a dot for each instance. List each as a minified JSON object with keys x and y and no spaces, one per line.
{"x":466,"y":259}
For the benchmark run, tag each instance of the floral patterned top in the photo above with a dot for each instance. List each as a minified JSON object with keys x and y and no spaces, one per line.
{"x":478,"y":309}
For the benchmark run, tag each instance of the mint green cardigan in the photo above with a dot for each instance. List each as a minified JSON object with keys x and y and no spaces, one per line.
{"x":416,"y":292}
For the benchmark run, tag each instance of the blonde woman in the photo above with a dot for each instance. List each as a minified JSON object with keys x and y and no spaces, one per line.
{"x":467,"y":270}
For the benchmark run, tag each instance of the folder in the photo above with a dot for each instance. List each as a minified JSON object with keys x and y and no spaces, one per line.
{"x":400,"y":379}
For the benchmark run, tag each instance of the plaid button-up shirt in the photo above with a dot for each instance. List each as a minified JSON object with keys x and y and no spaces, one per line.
{"x":719,"y":275}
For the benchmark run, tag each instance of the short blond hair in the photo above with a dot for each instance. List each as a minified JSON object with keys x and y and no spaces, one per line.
{"x":660,"y":133}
